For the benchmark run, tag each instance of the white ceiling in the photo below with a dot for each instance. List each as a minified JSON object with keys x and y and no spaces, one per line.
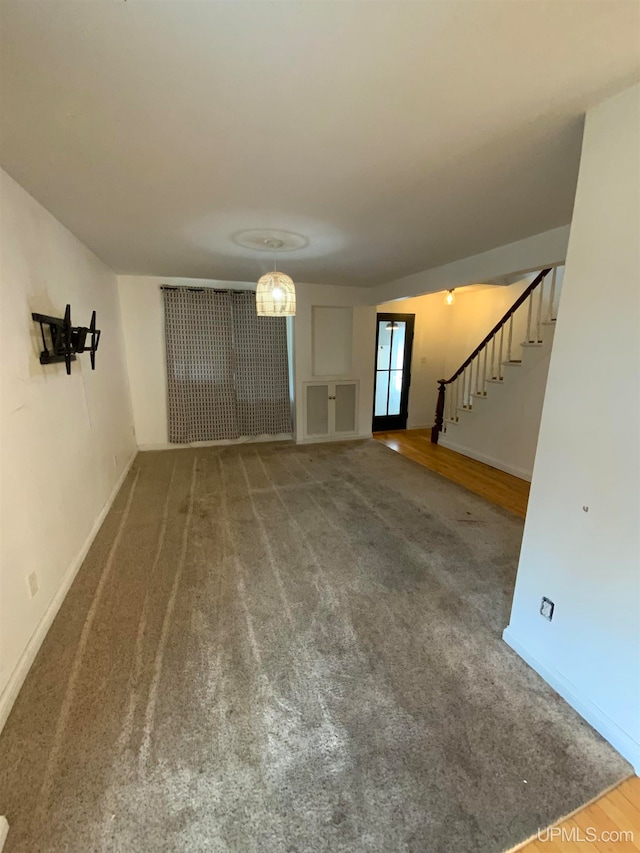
{"x":395,"y":136}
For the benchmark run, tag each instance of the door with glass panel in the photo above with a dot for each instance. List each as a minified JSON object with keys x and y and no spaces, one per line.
{"x":394,"y":341}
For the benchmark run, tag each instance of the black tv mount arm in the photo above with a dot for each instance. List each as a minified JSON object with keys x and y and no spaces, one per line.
{"x":67,"y":340}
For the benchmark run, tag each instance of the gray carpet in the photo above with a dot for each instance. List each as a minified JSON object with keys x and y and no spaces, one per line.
{"x":280,"y":648}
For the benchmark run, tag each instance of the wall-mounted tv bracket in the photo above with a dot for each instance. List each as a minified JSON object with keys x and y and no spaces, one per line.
{"x":67,"y":340}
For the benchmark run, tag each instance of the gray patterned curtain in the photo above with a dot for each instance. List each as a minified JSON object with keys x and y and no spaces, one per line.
{"x":227,"y":368}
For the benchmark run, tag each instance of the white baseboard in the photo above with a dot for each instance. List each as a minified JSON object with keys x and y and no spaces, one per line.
{"x":16,"y":680}
{"x":4,"y":829}
{"x":601,"y":722}
{"x":253,"y":439}
{"x":447,"y":442}
{"x":325,"y":439}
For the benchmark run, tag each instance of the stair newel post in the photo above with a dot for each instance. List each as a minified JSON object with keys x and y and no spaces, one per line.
{"x":552,"y":295}
{"x":437,"y":427}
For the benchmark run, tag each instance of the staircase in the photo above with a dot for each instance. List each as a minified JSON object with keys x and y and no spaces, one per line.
{"x":490,"y":408}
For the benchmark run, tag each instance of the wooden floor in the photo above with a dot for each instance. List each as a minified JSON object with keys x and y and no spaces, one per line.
{"x":610,"y":823}
{"x":500,"y":488}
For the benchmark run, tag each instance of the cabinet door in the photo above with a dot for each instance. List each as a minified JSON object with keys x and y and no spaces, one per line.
{"x":345,"y":395}
{"x":317,"y":409}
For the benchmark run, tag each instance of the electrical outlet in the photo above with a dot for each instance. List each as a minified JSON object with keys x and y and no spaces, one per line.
{"x":546,"y":608}
{"x":33,"y":584}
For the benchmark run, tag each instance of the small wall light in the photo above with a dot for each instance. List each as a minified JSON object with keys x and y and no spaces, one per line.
{"x":449,"y":298}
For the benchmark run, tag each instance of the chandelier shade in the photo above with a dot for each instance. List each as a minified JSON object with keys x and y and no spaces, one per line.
{"x":275,"y":295}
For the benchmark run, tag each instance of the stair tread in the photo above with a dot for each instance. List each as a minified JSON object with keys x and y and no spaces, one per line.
{"x":532,"y":344}
{"x":513,"y":361}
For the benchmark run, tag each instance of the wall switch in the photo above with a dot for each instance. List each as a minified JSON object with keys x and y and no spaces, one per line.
{"x":546,"y":608}
{"x":33,"y":584}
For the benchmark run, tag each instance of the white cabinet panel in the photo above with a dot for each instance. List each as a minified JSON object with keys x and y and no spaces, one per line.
{"x":345,"y":407}
{"x":330,"y":409}
{"x":317,"y":409}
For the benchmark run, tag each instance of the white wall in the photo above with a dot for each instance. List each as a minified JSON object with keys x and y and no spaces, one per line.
{"x":588,"y":563}
{"x":502,"y":428}
{"x":536,"y":252}
{"x":66,"y":440}
{"x":143,"y":323}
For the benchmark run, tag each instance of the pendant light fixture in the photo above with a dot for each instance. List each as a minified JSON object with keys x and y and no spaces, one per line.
{"x":276,"y":292}
{"x":449,"y":298}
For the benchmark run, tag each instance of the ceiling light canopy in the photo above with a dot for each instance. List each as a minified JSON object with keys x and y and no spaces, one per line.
{"x":449,"y":298}
{"x":276,"y":292}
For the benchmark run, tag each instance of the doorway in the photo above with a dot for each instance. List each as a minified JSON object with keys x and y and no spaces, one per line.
{"x":394,"y":343}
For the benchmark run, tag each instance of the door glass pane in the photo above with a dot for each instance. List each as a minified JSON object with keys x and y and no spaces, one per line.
{"x":390,"y":364}
{"x":382,"y":386}
{"x":317,"y":409}
{"x":345,"y":407}
{"x":397,"y":346}
{"x":384,"y":345}
{"x":395,"y":392}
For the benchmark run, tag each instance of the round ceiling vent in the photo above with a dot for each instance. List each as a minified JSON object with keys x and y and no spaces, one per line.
{"x":268,"y":240}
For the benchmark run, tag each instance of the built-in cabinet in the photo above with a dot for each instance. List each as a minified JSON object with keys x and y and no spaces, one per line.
{"x":330,"y":408}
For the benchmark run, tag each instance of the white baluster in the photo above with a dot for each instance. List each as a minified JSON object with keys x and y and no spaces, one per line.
{"x":552,"y":297}
{"x":539,"y":317}
{"x":500,"y":353}
{"x":478,"y":373}
{"x":484,"y":374}
{"x":529,"y":313}
{"x":493,"y":357}
{"x":510,"y":338}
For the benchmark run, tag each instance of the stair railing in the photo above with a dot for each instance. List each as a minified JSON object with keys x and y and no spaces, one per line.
{"x":487,"y":360}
